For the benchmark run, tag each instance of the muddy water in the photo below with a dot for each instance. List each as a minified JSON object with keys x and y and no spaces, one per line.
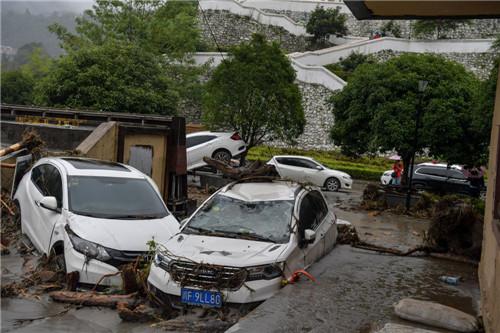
{"x":356,"y":291}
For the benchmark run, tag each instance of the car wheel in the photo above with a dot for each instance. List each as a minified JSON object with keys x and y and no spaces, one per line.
{"x":222,"y":155}
{"x":332,"y":184}
{"x":57,"y":260}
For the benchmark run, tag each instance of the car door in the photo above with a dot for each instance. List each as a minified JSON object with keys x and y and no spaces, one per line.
{"x":197,"y":147}
{"x":313,"y":215}
{"x":457,"y":182}
{"x":287,"y":168}
{"x":312,"y":172}
{"x":45,"y":181}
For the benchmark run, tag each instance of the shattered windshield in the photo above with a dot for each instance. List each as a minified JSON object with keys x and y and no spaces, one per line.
{"x":114,"y":198}
{"x":261,"y":220}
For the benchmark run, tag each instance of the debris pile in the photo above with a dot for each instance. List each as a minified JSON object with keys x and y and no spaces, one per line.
{"x":456,"y":227}
{"x":254,"y":169}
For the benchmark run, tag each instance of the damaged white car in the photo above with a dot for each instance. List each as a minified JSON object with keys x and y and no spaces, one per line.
{"x":92,"y":216}
{"x":241,"y":244}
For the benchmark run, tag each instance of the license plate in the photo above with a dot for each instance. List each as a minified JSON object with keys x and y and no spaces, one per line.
{"x":201,"y":297}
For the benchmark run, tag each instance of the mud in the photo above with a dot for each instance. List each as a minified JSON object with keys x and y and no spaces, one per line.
{"x":355,"y":291}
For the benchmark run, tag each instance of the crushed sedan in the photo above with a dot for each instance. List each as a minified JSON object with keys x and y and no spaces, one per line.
{"x":91,"y":216}
{"x":242,"y":243}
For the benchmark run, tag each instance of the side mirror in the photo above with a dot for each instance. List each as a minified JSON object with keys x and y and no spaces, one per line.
{"x":319,"y":167}
{"x":49,"y":203}
{"x":309,"y":235}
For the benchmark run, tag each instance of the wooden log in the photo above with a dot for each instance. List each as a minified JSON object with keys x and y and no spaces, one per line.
{"x":8,"y":165}
{"x":129,"y":278}
{"x":91,"y":299}
{"x":140,"y":313}
{"x":11,"y":149}
{"x":72,"y":279}
{"x":254,"y":169}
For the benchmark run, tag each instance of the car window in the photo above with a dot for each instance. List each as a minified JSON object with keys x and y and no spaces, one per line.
{"x":456,"y":174}
{"x":198,"y":140}
{"x":240,"y":219}
{"x":297,"y":162}
{"x":313,"y":210}
{"x":114,"y":198}
{"x":440,"y":172}
{"x":47,"y":180}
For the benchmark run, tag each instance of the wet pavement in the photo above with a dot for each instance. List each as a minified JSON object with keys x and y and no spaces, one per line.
{"x":355,"y":291}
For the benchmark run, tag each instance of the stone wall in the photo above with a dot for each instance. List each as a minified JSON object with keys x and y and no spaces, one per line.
{"x":319,"y":119}
{"x":480,"y":64}
{"x":476,"y":29}
{"x":230,"y":29}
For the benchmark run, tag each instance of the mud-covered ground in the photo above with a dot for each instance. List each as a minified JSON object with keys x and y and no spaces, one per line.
{"x":355,"y":291}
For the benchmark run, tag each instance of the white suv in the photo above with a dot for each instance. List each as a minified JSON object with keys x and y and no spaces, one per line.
{"x":92,"y":216}
{"x":219,"y":145}
{"x":242,"y":242}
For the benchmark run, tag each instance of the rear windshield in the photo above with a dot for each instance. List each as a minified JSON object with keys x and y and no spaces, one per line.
{"x":112,"y":197}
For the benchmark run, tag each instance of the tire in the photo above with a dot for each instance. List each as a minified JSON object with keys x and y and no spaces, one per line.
{"x":332,"y":184}
{"x":57,"y":260}
{"x":222,"y":155}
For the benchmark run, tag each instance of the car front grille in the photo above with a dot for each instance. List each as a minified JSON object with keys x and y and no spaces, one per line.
{"x":119,"y":258}
{"x":207,"y":276}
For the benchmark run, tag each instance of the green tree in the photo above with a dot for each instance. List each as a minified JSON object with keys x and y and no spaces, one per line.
{"x":116,"y":77}
{"x":253,"y":91}
{"x":437,"y":27}
{"x":391,"y":28}
{"x":126,"y":56}
{"x":377,"y":109}
{"x":345,"y":67}
{"x":325,"y":22}
{"x":18,"y":85}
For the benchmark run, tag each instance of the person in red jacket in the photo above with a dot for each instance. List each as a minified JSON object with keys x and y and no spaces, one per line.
{"x":397,"y":170}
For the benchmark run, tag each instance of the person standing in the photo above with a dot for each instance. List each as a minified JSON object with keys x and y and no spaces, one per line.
{"x":397,"y":170}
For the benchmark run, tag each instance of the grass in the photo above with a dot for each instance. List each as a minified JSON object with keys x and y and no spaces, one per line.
{"x":359,"y":168}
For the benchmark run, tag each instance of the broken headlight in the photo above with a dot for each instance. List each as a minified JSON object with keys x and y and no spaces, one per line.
{"x":265,"y":272}
{"x":162,"y":260}
{"x":89,"y":249}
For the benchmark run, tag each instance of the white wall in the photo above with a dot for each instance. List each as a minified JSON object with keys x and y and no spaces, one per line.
{"x":262,"y":17}
{"x":295,"y":6}
{"x":333,"y":54}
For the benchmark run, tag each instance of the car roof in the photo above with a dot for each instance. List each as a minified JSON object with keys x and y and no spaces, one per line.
{"x":206,"y":133}
{"x":80,"y":166}
{"x":261,"y":191}
{"x":440,"y":165}
{"x":294,"y":156}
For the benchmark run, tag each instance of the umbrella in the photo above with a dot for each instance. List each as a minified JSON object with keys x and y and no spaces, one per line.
{"x":395,"y":157}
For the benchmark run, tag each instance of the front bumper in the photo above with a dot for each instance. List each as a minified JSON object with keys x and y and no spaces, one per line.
{"x":251,"y":291}
{"x":91,"y":272}
{"x":346,"y":183}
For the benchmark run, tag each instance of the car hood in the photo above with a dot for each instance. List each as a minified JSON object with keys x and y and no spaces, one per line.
{"x":225,"y":251}
{"x":124,"y":235}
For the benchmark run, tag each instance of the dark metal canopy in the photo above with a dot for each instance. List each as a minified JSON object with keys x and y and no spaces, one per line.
{"x":424,"y":9}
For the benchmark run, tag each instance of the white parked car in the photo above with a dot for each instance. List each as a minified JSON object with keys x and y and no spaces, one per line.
{"x":306,"y":170}
{"x":92,"y":216}
{"x":219,"y":145}
{"x":242,"y":242}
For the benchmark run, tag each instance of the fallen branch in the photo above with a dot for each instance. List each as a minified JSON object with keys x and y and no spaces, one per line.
{"x":92,"y":299}
{"x":372,"y":247}
{"x":254,"y":169}
{"x":30,"y":140}
{"x":452,"y":257}
{"x":103,"y":277}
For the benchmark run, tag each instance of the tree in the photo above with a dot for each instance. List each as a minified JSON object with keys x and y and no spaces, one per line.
{"x":18,"y":85}
{"x":345,"y":67}
{"x":391,"y":28}
{"x":377,"y":109}
{"x":116,"y":77}
{"x":438,"y":27}
{"x":126,"y":56}
{"x":325,"y":22}
{"x":253,"y":92}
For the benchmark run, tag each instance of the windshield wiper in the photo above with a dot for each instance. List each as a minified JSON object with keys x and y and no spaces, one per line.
{"x":200,"y":231}
{"x":133,"y":217}
{"x":87,"y":214}
{"x":246,"y":235}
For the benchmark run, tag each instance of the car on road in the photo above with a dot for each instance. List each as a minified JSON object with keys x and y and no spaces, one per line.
{"x":306,"y":170}
{"x":91,"y":216}
{"x":438,"y":177}
{"x":242,"y":242}
{"x":219,"y":145}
